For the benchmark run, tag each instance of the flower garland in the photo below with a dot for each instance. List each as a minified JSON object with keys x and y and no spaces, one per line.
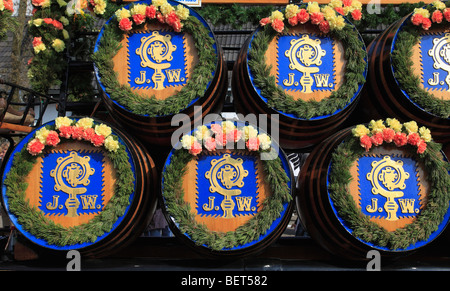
{"x":438,"y":177}
{"x":84,"y":129}
{"x":160,"y":11}
{"x":328,"y":17}
{"x":438,"y":14}
{"x":355,"y":55}
{"x":52,"y":25}
{"x":401,"y":134}
{"x":32,"y":219}
{"x":220,"y":135}
{"x":6,"y":19}
{"x":214,"y":138}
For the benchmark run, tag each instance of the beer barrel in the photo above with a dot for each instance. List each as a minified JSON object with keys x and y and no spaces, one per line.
{"x":227,"y":190}
{"x":307,"y":79}
{"x":79,"y":184}
{"x":154,"y":62}
{"x":407,"y":76}
{"x":373,"y":188}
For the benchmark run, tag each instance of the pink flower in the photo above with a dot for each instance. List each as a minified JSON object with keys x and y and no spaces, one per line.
{"x":88,"y":134}
{"x":97,"y":139}
{"x":160,"y":17}
{"x":356,"y":14}
{"x":377,"y":139}
{"x":437,"y":16}
{"x":365,"y":142}
{"x":216,"y":128}
{"x":52,"y":138}
{"x":278,"y":25}
{"x":347,"y":3}
{"x":339,"y":10}
{"x":196,"y":148}
{"x":35,"y":147}
{"x":264,"y":21}
{"x":58,"y":25}
{"x":417,"y":19}
{"x":234,"y":135}
{"x":210,"y":144}
{"x":138,"y":18}
{"x":293,"y":21}
{"x":48,"y":20}
{"x":302,"y":16}
{"x":324,"y":26}
{"x":421,"y":147}
{"x":77,"y":132}
{"x":221,"y":139}
{"x":400,"y":139}
{"x":150,"y":12}
{"x":125,"y":24}
{"x":37,"y":41}
{"x":426,"y":23}
{"x":65,"y":131}
{"x":413,"y":138}
{"x":252,"y":144}
{"x":388,"y":134}
{"x":447,"y":14}
{"x":316,"y":18}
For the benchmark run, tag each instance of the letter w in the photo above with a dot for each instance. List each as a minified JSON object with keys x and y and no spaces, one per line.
{"x":407,"y":205}
{"x":243,"y":203}
{"x":321,"y":80}
{"x":88,"y":201}
{"x":173,"y":75}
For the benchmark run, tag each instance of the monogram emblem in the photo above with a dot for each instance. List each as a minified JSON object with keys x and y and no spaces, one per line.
{"x":386,"y":177}
{"x":224,"y":176}
{"x":441,"y":57}
{"x":71,"y":172}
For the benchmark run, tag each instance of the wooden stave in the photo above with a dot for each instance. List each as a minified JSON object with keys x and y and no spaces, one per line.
{"x":145,"y":198}
{"x":294,"y":133}
{"x":391,"y":101}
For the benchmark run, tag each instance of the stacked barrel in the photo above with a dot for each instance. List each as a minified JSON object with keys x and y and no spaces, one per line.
{"x":371,"y":122}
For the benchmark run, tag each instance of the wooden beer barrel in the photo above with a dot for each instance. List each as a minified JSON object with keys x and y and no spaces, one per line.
{"x":407,"y":76}
{"x":227,"y":190}
{"x":388,"y":198}
{"x":153,"y":62}
{"x":309,"y":78}
{"x":79,"y":184}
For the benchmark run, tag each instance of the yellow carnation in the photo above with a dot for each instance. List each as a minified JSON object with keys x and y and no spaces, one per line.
{"x":37,"y":22}
{"x":202,"y":132}
{"x":85,"y":122}
{"x":329,"y":13}
{"x":166,"y":8}
{"x":264,"y":141}
{"x":411,"y":126}
{"x":313,"y":7}
{"x":360,"y":130}
{"x":39,"y":48}
{"x":439,"y":5}
{"x":103,"y":129}
{"x":62,"y":121}
{"x":422,"y":11}
{"x":291,"y":10}
{"x":42,"y":134}
{"x":335,"y":3}
{"x":138,"y":9}
{"x":394,"y":124}
{"x":182,"y":12}
{"x":58,"y":45}
{"x":376,"y":126}
{"x":111,"y":144}
{"x":100,"y":6}
{"x":337,"y":22}
{"x":250,"y":131}
{"x":425,"y":134}
{"x":356,"y":5}
{"x":122,"y":13}
{"x":228,"y":126}
{"x":2,"y":5}
{"x":158,"y":3}
{"x":276,"y":15}
{"x":187,"y":141}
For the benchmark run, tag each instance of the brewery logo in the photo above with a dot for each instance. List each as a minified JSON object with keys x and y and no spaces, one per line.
{"x":227,"y":186}
{"x":71,"y":183}
{"x":307,"y":62}
{"x":388,"y":187}
{"x":156,"y":60}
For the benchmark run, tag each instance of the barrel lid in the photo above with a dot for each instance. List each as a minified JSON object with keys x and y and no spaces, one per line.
{"x":156,"y":58}
{"x":60,"y":185}
{"x":222,"y":201}
{"x":398,"y":193}
{"x":308,"y":68}
{"x":425,"y":49}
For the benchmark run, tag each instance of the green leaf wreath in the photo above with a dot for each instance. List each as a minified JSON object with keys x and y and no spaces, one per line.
{"x":34,"y":221}
{"x":427,"y":221}
{"x":148,"y":105}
